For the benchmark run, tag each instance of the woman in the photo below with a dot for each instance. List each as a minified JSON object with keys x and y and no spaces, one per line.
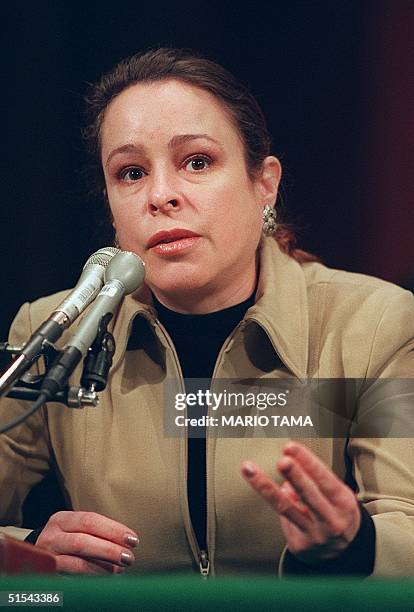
{"x":191,"y":186}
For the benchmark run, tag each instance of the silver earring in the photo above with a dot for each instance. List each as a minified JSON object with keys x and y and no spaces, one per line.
{"x":269,"y":220}
{"x":116,"y":242}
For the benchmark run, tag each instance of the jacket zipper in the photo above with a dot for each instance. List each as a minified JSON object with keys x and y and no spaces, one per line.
{"x":204,"y":558}
{"x":201,"y":556}
{"x":204,"y":564}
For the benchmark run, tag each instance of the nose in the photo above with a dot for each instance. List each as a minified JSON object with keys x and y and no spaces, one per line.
{"x":161,"y":205}
{"x":163,"y":195}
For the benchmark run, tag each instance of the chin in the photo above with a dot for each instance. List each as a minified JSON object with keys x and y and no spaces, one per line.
{"x":176,"y":284}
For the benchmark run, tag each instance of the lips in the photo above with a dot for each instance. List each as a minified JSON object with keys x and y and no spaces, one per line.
{"x":167,"y":236}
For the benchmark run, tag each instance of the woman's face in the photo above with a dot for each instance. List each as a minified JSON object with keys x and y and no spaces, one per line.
{"x":181,"y":196}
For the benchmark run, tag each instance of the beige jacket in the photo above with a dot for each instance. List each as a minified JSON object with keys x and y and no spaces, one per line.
{"x":115,"y":459}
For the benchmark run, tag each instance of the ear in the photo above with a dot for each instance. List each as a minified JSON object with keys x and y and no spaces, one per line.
{"x":267,"y":182}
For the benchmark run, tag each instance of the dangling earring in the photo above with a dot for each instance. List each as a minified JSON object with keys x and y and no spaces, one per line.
{"x":269,"y":220}
{"x":116,"y":242}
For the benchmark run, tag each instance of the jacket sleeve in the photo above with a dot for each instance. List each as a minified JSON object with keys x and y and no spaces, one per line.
{"x":380,"y":448}
{"x":24,"y":450}
{"x":383,"y":466}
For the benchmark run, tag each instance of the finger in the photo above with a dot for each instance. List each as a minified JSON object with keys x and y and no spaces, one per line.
{"x":96,"y":525}
{"x":289,"y":490}
{"x":272,"y":493}
{"x":296,"y":538}
{"x":307,"y":489}
{"x":76,"y":565}
{"x":329,"y":484}
{"x":90,"y":547}
{"x":110,"y":568}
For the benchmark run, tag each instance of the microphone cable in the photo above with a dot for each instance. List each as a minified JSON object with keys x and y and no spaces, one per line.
{"x":35,"y":406}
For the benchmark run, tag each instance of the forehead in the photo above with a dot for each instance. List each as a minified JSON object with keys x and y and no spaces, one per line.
{"x":159,"y":110}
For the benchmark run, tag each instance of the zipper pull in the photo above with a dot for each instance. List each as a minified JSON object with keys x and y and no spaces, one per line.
{"x":204,"y":564}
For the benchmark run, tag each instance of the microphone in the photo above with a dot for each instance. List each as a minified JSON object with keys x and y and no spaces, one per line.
{"x":124,"y":274}
{"x":87,"y":288}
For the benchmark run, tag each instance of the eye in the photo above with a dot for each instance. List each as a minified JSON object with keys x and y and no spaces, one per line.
{"x":197,"y":163}
{"x":131,"y":174}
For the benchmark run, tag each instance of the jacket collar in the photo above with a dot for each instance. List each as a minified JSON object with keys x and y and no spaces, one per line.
{"x":281,"y":306}
{"x":280,"y":309}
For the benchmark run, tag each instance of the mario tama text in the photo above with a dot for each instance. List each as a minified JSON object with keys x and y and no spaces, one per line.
{"x":289,"y":407}
{"x":227,"y":411}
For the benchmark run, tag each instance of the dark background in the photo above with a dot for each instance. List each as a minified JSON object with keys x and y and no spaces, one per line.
{"x":335,"y":79}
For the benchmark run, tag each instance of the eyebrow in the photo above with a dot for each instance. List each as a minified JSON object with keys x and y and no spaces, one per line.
{"x":174,"y":142}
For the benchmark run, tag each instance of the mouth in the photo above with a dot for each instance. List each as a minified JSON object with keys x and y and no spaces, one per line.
{"x":174,"y":239}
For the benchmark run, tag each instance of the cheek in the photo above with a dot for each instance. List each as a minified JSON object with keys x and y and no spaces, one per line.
{"x":236,"y":235}
{"x":124,"y":213}
{"x":242,"y":216}
{"x":127,"y":228}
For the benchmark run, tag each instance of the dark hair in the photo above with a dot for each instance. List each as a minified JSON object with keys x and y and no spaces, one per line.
{"x":183,"y":65}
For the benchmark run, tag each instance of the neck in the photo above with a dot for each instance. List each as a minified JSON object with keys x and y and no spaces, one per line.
{"x":206,"y":300}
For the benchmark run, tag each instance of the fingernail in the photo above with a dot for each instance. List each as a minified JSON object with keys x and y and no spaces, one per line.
{"x":284,"y":464}
{"x":127,"y":558}
{"x":291,"y":448}
{"x":131,"y":540}
{"x":249,"y":470}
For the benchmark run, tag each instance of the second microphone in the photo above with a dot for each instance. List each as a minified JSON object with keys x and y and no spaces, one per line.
{"x":124,"y":274}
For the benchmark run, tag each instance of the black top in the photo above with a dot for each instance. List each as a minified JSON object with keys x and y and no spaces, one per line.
{"x":198,"y":340}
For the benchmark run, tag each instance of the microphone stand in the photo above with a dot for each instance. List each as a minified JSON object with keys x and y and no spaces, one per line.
{"x":94,"y":377}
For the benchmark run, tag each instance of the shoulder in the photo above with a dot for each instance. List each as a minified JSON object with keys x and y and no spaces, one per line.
{"x":348,"y":289}
{"x":318,"y":283}
{"x":371,"y":320}
{"x":32,"y":314}
{"x":45,"y":305}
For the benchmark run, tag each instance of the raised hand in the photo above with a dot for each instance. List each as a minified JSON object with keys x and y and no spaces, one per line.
{"x":319,"y":514}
